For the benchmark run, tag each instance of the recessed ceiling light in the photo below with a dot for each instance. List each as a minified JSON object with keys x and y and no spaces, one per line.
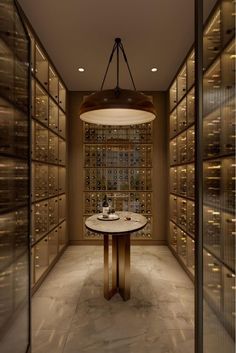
{"x":154,"y":69}
{"x":81,"y":69}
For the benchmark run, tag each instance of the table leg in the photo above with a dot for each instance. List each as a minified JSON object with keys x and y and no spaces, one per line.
{"x":120,"y":266}
{"x":106,"y":267}
{"x":124,"y":266}
{"x":115,"y":268}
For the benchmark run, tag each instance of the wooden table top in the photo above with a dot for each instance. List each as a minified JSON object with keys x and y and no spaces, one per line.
{"x":121,"y":225}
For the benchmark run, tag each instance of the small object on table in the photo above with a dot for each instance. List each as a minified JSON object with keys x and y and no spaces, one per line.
{"x":108,"y":217}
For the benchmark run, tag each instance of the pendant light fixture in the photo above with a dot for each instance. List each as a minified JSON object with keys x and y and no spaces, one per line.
{"x":117,"y":106}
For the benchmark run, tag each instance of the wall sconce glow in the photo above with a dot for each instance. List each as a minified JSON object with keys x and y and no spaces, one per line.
{"x":154,"y":69}
{"x":117,"y":106}
{"x":81,"y":69}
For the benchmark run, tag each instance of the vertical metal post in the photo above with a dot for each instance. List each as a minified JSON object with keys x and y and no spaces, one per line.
{"x":199,"y":176}
{"x":118,"y":41}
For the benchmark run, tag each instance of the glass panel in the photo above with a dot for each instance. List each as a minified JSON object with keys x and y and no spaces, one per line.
{"x":182,"y":115}
{"x":228,"y":127}
{"x":13,"y":130}
{"x":191,"y":255}
{"x":212,"y":134}
{"x":173,"y":208}
{"x":39,"y":181}
{"x":40,"y":142}
{"x":191,"y":181}
{"x":53,"y":180}
{"x":228,"y":20}
{"x":191,"y":107}
{"x":52,"y":212}
{"x":62,"y":235}
{"x":62,"y":151}
{"x":53,"y":84}
{"x":62,"y":96}
{"x":173,"y":236}
{"x":190,"y":69}
{"x":174,"y":180}
{"x":182,"y":246}
{"x":191,"y":217}
{"x":211,"y":87}
{"x":173,"y":152}
{"x":228,"y":71}
{"x":14,"y":181}
{"x":41,"y":67}
{"x":62,"y":207}
{"x":212,"y":39}
{"x":182,"y":213}
{"x":181,"y":83}
{"x":39,"y":220}
{"x":182,"y":180}
{"x":219,"y":180}
{"x":191,"y":144}
{"x":53,"y":148}
{"x":41,"y":258}
{"x":182,"y":147}
{"x":62,"y":180}
{"x":52,"y":245}
{"x":41,"y":105}
{"x":173,"y":95}
{"x":62,"y":124}
{"x":212,"y":230}
{"x":228,"y":224}
{"x":173,"y":123}
{"x":53,"y":116}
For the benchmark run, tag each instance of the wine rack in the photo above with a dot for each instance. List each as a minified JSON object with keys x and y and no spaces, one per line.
{"x":218,"y":163}
{"x":49,"y":235}
{"x":118,"y":163}
{"x":14,"y":180}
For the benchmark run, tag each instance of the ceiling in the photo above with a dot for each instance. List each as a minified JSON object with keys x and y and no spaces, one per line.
{"x":80,"y":33}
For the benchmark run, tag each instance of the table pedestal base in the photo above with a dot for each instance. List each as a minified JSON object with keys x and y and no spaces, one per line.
{"x":120,"y":266}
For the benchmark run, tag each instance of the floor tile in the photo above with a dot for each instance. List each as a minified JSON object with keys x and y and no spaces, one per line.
{"x":71,"y":314}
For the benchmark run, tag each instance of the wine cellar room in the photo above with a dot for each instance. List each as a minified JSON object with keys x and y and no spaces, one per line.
{"x":117,"y":176}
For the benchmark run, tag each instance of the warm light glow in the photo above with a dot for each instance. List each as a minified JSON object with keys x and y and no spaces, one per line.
{"x":117,"y":116}
{"x":81,"y":69}
{"x":154,"y":69}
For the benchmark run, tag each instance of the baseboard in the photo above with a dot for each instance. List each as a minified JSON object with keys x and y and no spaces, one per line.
{"x":133,"y":242}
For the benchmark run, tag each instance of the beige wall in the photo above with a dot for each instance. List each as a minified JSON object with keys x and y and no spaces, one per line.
{"x":75,"y":169}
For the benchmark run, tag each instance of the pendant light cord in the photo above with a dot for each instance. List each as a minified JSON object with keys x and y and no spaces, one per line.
{"x":118,"y":45}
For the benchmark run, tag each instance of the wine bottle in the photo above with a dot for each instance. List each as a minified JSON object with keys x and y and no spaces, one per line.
{"x":105,"y":206}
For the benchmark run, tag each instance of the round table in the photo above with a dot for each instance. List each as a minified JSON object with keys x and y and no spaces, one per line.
{"x":120,"y":230}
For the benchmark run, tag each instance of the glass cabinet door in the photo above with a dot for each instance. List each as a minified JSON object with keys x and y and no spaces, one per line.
{"x":218,"y":179}
{"x":62,"y":124}
{"x":41,"y":105}
{"x":53,"y":84}
{"x":62,"y":96}
{"x":52,"y":245}
{"x":14,"y":181}
{"x":41,"y":63}
{"x":53,"y":116}
{"x":62,"y":235}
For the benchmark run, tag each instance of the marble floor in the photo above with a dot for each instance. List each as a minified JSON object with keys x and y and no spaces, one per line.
{"x":70,"y":314}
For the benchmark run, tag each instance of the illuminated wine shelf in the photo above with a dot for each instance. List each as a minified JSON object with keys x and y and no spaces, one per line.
{"x":14,"y":179}
{"x":218,"y":166}
{"x":48,"y":112}
{"x":118,"y":163}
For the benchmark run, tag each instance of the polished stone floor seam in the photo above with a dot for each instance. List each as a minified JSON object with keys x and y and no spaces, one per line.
{"x":70,"y":314}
